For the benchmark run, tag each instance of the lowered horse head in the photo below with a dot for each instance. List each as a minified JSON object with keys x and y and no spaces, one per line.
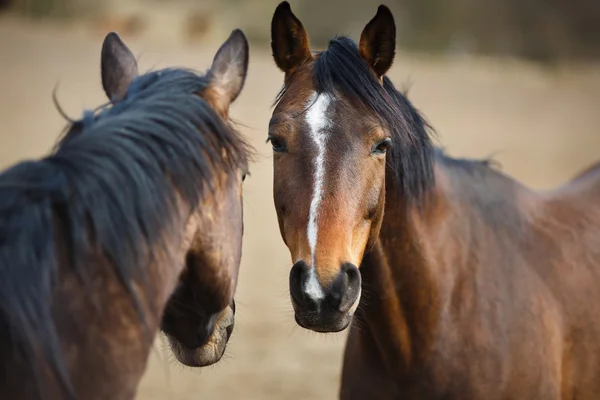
{"x":199,"y":316}
{"x":334,"y":138}
{"x":132,"y":224}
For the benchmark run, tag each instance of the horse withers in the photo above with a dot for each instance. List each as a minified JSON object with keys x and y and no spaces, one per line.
{"x":132,"y":224}
{"x":457,"y":282}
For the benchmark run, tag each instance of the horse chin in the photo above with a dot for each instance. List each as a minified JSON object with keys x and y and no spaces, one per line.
{"x":322,"y":321}
{"x":214,"y":349}
{"x":323,"y":325}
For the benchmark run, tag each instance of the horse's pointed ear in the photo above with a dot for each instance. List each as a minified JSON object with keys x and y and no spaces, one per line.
{"x":228,"y":72}
{"x":118,"y":66}
{"x":289,"y":40}
{"x":378,"y":41}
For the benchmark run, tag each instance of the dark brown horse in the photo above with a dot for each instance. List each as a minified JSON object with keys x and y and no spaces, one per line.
{"x":473,"y":286}
{"x":137,"y":211}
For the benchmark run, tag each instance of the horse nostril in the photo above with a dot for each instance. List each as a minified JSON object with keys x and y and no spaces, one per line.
{"x":204,"y":331}
{"x":299,"y":275}
{"x":296,"y":274}
{"x":229,"y":331}
{"x":202,"y":336}
{"x":346,"y":288}
{"x":338,"y":290}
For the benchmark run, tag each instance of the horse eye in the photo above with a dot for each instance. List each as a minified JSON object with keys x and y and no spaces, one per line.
{"x":245,"y":176}
{"x":278,"y":144}
{"x":382,"y":147}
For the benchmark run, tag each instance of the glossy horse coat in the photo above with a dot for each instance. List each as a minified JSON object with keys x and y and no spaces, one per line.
{"x":457,"y":281}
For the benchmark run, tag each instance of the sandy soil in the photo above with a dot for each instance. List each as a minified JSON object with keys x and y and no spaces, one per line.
{"x":542,"y":126}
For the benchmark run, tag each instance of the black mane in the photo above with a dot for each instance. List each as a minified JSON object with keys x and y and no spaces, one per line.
{"x":340,"y":70}
{"x":111,"y":185}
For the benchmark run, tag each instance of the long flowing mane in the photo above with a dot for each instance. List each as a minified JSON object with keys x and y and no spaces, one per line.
{"x":112,"y":186}
{"x":341,"y":71}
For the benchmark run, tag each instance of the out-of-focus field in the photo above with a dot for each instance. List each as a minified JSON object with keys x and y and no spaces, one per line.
{"x":542,"y":126}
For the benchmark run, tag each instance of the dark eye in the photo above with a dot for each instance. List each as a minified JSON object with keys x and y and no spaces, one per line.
{"x":382,"y":147}
{"x":245,"y":175}
{"x":278,"y":144}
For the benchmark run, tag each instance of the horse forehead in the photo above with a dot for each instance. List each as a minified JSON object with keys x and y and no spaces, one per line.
{"x":334,"y":119}
{"x":318,"y":114}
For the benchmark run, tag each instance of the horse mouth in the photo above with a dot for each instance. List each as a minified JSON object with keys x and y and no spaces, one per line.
{"x":322,"y":321}
{"x":213,"y":350}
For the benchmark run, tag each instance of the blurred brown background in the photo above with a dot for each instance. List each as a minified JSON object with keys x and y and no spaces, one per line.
{"x":519,"y":80}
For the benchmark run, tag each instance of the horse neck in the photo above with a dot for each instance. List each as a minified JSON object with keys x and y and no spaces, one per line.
{"x":423,"y":253}
{"x":113,"y":336}
{"x":400,"y":292}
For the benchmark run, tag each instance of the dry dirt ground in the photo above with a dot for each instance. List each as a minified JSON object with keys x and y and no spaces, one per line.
{"x":542,"y":126}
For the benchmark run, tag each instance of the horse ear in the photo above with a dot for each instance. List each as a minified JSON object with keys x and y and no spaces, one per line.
{"x":118,"y":67}
{"x":228,"y":71}
{"x":378,"y":41}
{"x":289,"y":41}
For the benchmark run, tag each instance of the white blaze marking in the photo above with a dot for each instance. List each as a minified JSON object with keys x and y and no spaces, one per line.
{"x":318,"y":122}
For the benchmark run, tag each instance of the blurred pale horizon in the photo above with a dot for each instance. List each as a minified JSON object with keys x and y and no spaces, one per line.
{"x":536,"y":113}
{"x":541,"y":30}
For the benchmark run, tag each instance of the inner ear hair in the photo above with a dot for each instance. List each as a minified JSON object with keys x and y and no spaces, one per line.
{"x":289,"y":40}
{"x":377,"y":44}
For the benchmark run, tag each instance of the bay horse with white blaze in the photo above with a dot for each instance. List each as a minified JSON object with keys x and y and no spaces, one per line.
{"x":134,"y":222}
{"x":460,"y":282}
